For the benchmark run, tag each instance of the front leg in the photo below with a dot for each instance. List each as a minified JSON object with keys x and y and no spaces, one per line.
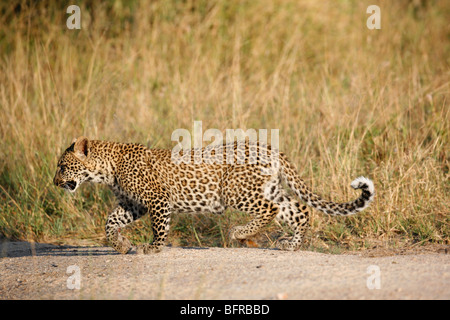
{"x":124,"y":214}
{"x":160,"y":215}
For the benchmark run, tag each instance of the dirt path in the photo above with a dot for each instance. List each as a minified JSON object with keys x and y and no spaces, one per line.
{"x":41,"y":271}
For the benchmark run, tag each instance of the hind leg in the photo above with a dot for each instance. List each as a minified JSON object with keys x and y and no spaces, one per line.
{"x":296,"y":216}
{"x":265,"y":206}
{"x":246,"y":193}
{"x":291,"y":212}
{"x":263,"y":211}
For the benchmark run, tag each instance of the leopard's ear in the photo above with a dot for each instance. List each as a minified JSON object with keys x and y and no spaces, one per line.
{"x":81,"y":147}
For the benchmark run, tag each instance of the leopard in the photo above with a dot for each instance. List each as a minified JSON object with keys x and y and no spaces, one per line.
{"x":254,"y":178}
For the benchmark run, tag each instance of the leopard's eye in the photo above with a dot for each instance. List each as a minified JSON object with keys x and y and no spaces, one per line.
{"x":62,"y":169}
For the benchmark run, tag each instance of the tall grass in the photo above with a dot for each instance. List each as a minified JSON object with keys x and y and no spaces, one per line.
{"x":348,"y":101}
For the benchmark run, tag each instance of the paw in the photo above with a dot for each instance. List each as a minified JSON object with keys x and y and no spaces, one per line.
{"x":148,"y":249}
{"x":236,"y":233}
{"x":122,"y":245}
{"x":287,"y":245}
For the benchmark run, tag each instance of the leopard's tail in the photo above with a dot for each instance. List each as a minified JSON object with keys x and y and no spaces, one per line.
{"x":291,"y":178}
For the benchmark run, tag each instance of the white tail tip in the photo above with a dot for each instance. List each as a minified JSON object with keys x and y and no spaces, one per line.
{"x":363,"y":183}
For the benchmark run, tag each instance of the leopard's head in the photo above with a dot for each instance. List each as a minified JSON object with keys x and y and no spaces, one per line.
{"x":73,"y":169}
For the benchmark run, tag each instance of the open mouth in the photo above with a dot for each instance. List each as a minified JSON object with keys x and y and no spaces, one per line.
{"x":69,"y":185}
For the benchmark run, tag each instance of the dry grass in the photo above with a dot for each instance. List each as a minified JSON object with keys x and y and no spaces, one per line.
{"x":348,"y":101}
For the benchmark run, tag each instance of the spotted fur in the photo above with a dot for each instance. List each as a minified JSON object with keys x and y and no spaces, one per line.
{"x":152,"y":181}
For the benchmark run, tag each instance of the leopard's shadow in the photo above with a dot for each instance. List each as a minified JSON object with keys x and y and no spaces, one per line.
{"x":15,"y":249}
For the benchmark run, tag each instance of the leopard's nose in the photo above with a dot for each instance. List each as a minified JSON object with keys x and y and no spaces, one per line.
{"x":56,"y":179}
